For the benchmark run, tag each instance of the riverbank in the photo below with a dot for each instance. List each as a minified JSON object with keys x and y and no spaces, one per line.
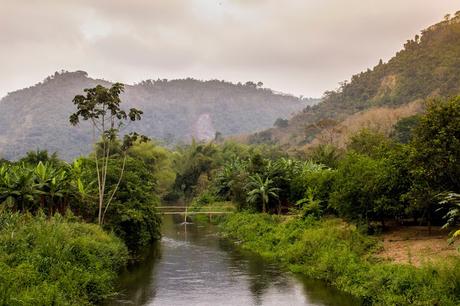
{"x":340,"y":254}
{"x":192,"y":265}
{"x":56,"y":260}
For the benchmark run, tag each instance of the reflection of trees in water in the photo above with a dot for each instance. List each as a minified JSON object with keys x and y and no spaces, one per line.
{"x":138,"y":280}
{"x":319,"y":293}
{"x":262,"y":275}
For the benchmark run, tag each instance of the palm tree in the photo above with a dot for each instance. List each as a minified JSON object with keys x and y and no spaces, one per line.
{"x":261,"y":189}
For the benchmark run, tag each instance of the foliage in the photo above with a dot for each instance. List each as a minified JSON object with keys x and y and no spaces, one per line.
{"x":132,"y":215}
{"x":364,"y":190}
{"x":312,"y":180}
{"x":434,"y":164}
{"x":340,"y":254}
{"x":34,"y":157}
{"x":190,"y":163}
{"x":452,"y":201}
{"x":404,"y":128}
{"x":325,"y":154}
{"x":56,"y":261}
{"x":101,"y":107}
{"x":310,"y":205}
{"x":56,"y":188}
{"x":437,"y":143}
{"x":159,"y":162}
{"x":370,"y":143}
{"x":27,"y":187}
{"x":260,"y":189}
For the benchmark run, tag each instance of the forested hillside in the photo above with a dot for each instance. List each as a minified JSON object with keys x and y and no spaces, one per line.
{"x":174,"y":111}
{"x":427,"y":66}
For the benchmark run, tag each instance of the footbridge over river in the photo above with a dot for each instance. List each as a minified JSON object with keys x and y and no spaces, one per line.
{"x":189,"y":211}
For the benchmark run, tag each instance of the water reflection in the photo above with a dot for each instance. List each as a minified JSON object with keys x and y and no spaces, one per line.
{"x":192,"y":266}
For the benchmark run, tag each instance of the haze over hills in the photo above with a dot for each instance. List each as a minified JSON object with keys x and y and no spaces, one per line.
{"x":174,"y":111}
{"x":428,"y":66}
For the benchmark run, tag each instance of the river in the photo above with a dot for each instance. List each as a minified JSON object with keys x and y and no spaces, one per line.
{"x":191,"y":265}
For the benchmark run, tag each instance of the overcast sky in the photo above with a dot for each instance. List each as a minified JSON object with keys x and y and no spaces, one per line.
{"x":302,"y":47}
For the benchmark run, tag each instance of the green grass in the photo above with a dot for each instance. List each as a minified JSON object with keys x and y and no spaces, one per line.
{"x":339,"y":253}
{"x":56,"y":261}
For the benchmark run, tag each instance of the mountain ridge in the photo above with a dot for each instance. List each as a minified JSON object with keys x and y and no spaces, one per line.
{"x":37,"y":116}
{"x":427,"y":66}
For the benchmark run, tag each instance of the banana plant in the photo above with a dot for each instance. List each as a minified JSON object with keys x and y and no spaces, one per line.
{"x":25,"y":190}
{"x":81,"y":191}
{"x":8,"y":184}
{"x":43,"y":176}
{"x":261,"y":189}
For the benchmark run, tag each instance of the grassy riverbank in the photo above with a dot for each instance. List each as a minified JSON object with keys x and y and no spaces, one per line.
{"x":56,"y":261}
{"x":339,"y":253}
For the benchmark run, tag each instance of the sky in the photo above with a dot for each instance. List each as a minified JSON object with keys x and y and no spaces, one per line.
{"x":302,"y":47}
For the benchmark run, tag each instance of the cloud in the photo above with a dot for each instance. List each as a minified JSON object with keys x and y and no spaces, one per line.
{"x":298,"y":46}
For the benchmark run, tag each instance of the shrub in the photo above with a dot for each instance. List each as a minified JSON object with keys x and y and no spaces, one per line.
{"x":56,"y":261}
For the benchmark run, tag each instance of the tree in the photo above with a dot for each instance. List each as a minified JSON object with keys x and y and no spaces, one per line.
{"x":437,"y":144}
{"x":325,"y":154}
{"x":281,"y":123}
{"x":101,"y":107}
{"x":34,"y":157}
{"x":404,"y":128}
{"x":231,"y":180}
{"x":190,"y":163}
{"x":369,"y":142}
{"x":435,"y":159}
{"x":364,"y":189}
{"x":261,"y":189}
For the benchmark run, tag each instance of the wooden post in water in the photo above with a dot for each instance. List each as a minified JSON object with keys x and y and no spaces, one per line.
{"x":185,"y":216}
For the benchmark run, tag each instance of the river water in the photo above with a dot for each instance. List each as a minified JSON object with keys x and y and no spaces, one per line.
{"x":191,"y":265}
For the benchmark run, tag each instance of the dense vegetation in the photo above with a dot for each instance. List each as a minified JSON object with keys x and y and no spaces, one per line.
{"x":339,"y":253}
{"x":376,"y":181}
{"x":47,"y":259}
{"x":56,"y":186}
{"x":174,"y":111}
{"x":51,"y":260}
{"x":428,"y":66}
{"x":56,"y":261}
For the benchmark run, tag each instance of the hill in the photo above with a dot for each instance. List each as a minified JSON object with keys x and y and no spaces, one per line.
{"x":174,"y":111}
{"x":428,"y":66}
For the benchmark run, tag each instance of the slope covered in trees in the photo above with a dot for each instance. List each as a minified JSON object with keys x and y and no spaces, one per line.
{"x":427,"y":66}
{"x":174,"y":111}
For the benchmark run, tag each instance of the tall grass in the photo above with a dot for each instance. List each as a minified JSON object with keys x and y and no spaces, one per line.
{"x":339,"y":253}
{"x":56,"y":261}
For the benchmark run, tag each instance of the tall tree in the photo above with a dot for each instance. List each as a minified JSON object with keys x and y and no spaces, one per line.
{"x":435,"y":161}
{"x":101,"y":107}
